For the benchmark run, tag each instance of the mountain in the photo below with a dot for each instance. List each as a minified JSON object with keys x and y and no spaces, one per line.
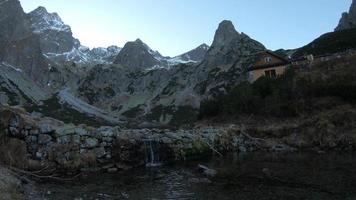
{"x":56,"y":37}
{"x":137,"y":55}
{"x":195,"y":55}
{"x":348,"y":20}
{"x":167,"y":95}
{"x":19,"y":47}
{"x":329,"y":43}
{"x":104,"y":55}
{"x":59,"y":45}
{"x":134,"y":83}
{"x":285,"y":53}
{"x":229,"y":45}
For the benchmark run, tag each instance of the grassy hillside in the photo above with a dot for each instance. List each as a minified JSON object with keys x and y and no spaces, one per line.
{"x":52,"y":108}
{"x":297,"y":93}
{"x":330,"y":43}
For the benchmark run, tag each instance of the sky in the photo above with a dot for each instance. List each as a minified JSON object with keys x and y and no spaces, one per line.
{"x":176,"y":26}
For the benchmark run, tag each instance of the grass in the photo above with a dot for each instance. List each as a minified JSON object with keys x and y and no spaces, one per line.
{"x":52,"y":108}
{"x":174,"y":116}
{"x":291,"y":95}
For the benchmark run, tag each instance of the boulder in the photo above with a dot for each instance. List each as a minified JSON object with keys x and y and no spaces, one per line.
{"x":207,"y":171}
{"x":89,"y":143}
{"x":106,"y":131}
{"x":44,"y":139}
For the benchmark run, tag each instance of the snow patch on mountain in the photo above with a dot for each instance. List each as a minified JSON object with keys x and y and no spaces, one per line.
{"x":83,"y":55}
{"x":179,"y":60}
{"x":11,"y":66}
{"x":194,"y":56}
{"x":50,"y":21}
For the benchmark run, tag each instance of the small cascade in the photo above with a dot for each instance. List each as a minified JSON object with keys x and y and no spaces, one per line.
{"x":152,"y":153}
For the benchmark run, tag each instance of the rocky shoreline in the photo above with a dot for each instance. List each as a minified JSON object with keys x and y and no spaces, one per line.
{"x":43,"y":147}
{"x":44,"y":143}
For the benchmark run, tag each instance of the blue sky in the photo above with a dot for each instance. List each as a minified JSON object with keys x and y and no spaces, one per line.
{"x":175,"y":26}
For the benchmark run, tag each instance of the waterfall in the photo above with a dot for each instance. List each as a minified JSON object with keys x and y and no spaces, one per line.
{"x":152,"y":153}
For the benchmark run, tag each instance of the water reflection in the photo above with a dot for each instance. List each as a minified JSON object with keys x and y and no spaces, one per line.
{"x":242,"y":176}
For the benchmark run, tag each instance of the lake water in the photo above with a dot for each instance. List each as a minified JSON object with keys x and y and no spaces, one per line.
{"x":242,"y":176}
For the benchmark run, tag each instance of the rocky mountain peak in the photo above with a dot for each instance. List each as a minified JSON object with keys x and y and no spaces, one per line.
{"x":225,"y":33}
{"x":56,"y":38}
{"x":138,"y":55}
{"x":143,"y":45}
{"x":40,"y":9}
{"x":114,"y":49}
{"x":348,"y":20}
{"x":42,"y":21}
{"x":138,"y":41}
{"x":229,"y":46}
{"x":203,"y":46}
{"x":226,"y":25}
{"x":135,"y":45}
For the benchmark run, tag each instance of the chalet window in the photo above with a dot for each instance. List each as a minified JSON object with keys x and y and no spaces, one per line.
{"x":268,"y":59}
{"x":271,"y":73}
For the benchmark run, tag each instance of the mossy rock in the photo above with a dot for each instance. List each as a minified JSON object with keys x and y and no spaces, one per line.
{"x":199,"y":149}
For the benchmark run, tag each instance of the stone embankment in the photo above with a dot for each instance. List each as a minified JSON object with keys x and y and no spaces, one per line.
{"x":47,"y":143}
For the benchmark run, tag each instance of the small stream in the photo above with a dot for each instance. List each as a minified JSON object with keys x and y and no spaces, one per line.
{"x":240,"y":176}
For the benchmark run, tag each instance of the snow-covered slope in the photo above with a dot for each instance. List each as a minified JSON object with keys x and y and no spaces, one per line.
{"x":59,"y":45}
{"x":194,"y":56}
{"x":137,"y":55}
{"x":104,"y":55}
{"x":43,"y":21}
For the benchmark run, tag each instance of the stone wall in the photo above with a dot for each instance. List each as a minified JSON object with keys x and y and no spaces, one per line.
{"x":51,"y":143}
{"x":68,"y":147}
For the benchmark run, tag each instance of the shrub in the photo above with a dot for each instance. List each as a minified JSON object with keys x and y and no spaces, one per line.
{"x":285,"y":96}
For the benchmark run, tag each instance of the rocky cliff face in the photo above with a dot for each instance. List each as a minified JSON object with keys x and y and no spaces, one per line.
{"x":19,"y":47}
{"x":138,"y":56}
{"x":104,"y":55}
{"x":59,"y":45}
{"x":229,"y":45}
{"x":348,"y":20}
{"x":56,"y":37}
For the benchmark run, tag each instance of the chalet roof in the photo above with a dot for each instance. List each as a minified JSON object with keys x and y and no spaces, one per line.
{"x":275,"y":55}
{"x":267,"y":66}
{"x":257,"y":56}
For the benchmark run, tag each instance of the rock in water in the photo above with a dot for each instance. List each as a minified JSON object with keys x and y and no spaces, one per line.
{"x":207,"y":171}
